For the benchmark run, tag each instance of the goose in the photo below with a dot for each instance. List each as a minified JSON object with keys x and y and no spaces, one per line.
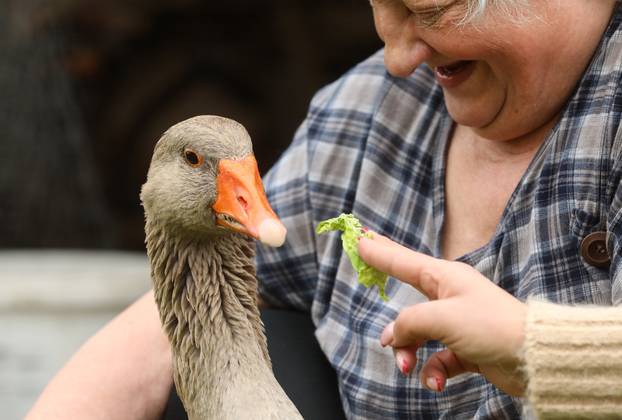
{"x":204,"y":204}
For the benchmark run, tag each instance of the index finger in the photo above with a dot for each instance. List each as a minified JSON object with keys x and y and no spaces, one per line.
{"x":419,"y":270}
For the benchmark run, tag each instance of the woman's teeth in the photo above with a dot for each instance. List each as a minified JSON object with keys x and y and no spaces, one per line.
{"x":451,"y":69}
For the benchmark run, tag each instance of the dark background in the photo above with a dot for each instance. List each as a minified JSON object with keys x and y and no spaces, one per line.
{"x":87,"y":87}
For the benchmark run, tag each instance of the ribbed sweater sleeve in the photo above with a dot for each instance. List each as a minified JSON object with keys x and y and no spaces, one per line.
{"x":573,"y":361}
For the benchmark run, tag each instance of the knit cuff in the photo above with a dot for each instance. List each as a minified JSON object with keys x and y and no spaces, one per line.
{"x":573,"y":359}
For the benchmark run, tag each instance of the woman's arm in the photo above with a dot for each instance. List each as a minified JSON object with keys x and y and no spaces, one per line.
{"x":573,"y":360}
{"x":122,"y":372}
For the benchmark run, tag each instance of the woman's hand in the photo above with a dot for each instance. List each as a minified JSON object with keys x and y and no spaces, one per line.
{"x":481,"y":324}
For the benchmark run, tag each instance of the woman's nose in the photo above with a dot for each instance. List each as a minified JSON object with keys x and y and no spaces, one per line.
{"x":402,"y":58}
{"x":405,"y":49}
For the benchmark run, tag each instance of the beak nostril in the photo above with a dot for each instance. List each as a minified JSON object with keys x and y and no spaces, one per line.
{"x":243,"y":202}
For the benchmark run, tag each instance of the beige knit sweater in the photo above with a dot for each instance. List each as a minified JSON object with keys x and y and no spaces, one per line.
{"x":573,"y":360}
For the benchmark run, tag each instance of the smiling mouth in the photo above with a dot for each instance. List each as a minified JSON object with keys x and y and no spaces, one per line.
{"x":454,"y":74}
{"x":453,"y":68}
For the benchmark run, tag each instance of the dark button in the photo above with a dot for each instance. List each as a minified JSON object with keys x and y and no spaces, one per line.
{"x":594,"y":249}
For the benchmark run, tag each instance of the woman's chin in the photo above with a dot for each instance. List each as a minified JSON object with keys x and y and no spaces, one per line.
{"x":481,"y":115}
{"x":473,"y":118}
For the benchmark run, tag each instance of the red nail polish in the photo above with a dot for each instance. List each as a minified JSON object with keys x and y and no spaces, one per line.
{"x":405,"y":367}
{"x":439,"y":384}
{"x":365,"y":229}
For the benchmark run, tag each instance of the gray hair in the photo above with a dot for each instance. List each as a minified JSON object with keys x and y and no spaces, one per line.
{"x":509,"y":8}
{"x":477,"y":8}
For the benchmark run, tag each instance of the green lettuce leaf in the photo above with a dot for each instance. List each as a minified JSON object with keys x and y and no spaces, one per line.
{"x":352,"y":230}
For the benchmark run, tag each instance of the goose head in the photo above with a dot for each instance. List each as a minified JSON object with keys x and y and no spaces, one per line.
{"x":203,"y":180}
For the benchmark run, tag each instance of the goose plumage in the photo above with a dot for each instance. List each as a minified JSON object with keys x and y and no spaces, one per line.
{"x":204,"y":204}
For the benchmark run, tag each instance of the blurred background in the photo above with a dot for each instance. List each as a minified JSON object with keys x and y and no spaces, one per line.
{"x":86,"y":88}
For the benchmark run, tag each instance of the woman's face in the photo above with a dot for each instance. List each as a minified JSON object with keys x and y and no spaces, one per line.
{"x":505,"y":77}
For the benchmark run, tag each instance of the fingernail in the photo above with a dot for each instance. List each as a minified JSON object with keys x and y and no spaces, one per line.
{"x":365,"y":229}
{"x":402,"y":363}
{"x":434,"y":384}
{"x":387,"y":335}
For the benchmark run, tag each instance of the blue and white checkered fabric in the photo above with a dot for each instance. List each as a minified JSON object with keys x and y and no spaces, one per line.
{"x":374,"y":145}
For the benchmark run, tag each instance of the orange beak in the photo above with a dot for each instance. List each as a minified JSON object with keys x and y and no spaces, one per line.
{"x":241,"y":203}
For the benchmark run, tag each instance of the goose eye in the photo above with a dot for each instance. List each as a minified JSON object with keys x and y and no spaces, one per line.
{"x":193,"y":158}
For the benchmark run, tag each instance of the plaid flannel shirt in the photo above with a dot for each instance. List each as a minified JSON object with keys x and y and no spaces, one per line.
{"x":374,"y":145}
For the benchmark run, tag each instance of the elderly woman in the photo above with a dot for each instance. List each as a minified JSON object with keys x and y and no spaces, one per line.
{"x":493,"y":140}
{"x":484,"y":133}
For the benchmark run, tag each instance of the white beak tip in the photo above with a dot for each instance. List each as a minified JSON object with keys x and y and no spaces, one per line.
{"x":272,"y":233}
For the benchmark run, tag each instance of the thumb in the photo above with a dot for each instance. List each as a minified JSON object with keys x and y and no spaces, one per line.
{"x":417,"y":323}
{"x":441,"y":366}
